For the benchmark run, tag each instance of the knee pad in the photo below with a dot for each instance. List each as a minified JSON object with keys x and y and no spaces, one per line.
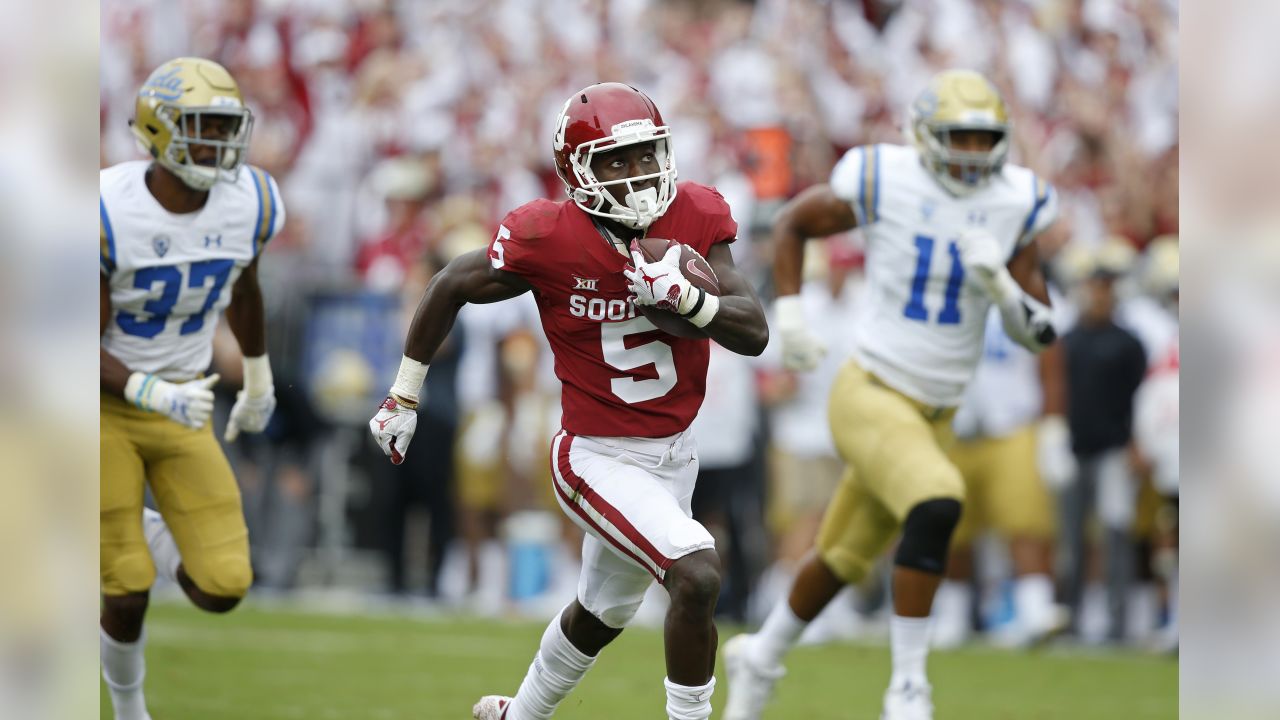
{"x":130,"y":572}
{"x":926,"y":535}
{"x":226,"y":576}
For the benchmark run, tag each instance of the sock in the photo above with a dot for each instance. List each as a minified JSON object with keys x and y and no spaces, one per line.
{"x":123,"y":669}
{"x":952,"y":608}
{"x":1033,"y":601}
{"x":689,"y":703}
{"x":164,"y":551}
{"x":555,"y":671}
{"x":909,"y":645}
{"x":776,"y":637}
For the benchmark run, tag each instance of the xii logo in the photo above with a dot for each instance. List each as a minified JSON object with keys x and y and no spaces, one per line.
{"x":588,"y":284}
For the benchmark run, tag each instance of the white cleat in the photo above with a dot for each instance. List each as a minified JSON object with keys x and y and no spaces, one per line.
{"x":908,"y":701}
{"x":491,"y":707}
{"x":750,"y":687}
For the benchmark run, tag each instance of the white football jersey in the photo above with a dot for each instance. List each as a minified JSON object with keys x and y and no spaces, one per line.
{"x":171,"y":275}
{"x":921,"y":327}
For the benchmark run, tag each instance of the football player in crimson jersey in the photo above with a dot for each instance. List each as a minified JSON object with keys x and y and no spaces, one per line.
{"x":624,"y":464}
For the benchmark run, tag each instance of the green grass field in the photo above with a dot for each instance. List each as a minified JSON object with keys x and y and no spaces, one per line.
{"x":270,"y":664}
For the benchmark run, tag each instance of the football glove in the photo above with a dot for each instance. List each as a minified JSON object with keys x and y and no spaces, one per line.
{"x":801,"y":349}
{"x":1027,"y":321}
{"x":255,"y":403}
{"x":188,"y":403}
{"x":1054,"y":458}
{"x":660,"y":284}
{"x":393,"y":426}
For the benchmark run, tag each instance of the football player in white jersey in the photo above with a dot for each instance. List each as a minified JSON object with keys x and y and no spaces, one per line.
{"x":950,"y":231}
{"x":180,"y":239}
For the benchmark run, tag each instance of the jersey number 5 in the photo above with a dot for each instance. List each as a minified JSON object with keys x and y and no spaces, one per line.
{"x":915,"y":308}
{"x":170,"y":278}
{"x":655,"y":352}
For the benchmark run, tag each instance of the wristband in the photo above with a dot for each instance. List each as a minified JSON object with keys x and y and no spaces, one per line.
{"x":790,"y":311}
{"x":138,"y":389}
{"x":257,"y":376}
{"x":409,"y":379}
{"x":704,"y":310}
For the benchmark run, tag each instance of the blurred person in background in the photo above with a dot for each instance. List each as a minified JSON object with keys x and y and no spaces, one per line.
{"x":624,"y":464}
{"x":804,"y":467}
{"x":1156,"y":430}
{"x":176,"y":233}
{"x":951,"y":232}
{"x":996,"y":452}
{"x":1104,"y":366}
{"x":728,"y":498}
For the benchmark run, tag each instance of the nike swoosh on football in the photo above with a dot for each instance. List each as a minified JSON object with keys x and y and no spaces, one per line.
{"x":691,"y":267}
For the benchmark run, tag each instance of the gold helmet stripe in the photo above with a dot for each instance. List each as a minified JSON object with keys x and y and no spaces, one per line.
{"x":107,"y":239}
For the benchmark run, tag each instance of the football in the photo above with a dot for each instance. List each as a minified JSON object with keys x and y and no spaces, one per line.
{"x":694,"y":267}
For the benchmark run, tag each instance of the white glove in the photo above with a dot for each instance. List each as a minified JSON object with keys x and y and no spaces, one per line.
{"x":188,"y":403}
{"x":1054,"y":458}
{"x":660,"y":284}
{"x":1026,"y":320}
{"x":980,"y":254}
{"x":255,"y":403}
{"x":801,"y":349}
{"x":393,"y":426}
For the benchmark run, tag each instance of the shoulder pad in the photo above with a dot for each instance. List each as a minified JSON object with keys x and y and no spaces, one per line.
{"x":702,"y":198}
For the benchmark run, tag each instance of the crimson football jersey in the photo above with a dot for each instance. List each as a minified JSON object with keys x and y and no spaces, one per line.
{"x":622,"y":376}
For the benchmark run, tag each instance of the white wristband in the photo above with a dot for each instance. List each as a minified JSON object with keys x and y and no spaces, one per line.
{"x":1005,"y":290}
{"x":257,"y":376}
{"x":705,"y":314}
{"x":409,"y":378}
{"x":789,"y":310}
{"x":138,"y":389}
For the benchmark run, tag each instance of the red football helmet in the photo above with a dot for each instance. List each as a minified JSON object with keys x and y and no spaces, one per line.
{"x":603,"y":117}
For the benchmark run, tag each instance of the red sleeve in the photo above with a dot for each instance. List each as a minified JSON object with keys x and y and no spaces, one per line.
{"x":514,"y":247}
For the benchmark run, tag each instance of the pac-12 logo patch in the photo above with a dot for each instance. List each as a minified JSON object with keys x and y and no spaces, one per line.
{"x":588,"y":284}
{"x":160,"y":244}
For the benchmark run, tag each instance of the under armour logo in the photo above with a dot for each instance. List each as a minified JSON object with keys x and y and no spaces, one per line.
{"x":213,"y":240}
{"x":977,"y":217}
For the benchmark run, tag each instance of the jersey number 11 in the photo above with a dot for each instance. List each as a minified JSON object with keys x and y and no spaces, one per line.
{"x":915,"y":308}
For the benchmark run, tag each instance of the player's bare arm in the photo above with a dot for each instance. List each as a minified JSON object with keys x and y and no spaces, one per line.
{"x":256,"y":401}
{"x":1025,"y":267}
{"x":739,"y":325}
{"x":817,"y":212}
{"x":814,"y":213}
{"x":469,"y":278}
{"x":245,"y":315}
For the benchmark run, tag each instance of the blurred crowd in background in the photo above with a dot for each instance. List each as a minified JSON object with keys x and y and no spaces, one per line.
{"x":401,"y":132}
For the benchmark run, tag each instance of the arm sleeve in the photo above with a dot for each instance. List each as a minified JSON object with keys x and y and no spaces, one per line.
{"x":1043,"y":211}
{"x":856,"y":180}
{"x":512,"y":249}
{"x":106,"y":241}
{"x":270,"y":212}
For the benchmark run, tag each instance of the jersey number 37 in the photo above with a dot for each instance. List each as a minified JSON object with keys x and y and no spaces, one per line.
{"x":170,"y":278}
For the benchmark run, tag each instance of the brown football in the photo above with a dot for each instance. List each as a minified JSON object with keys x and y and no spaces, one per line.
{"x":694,"y":267}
